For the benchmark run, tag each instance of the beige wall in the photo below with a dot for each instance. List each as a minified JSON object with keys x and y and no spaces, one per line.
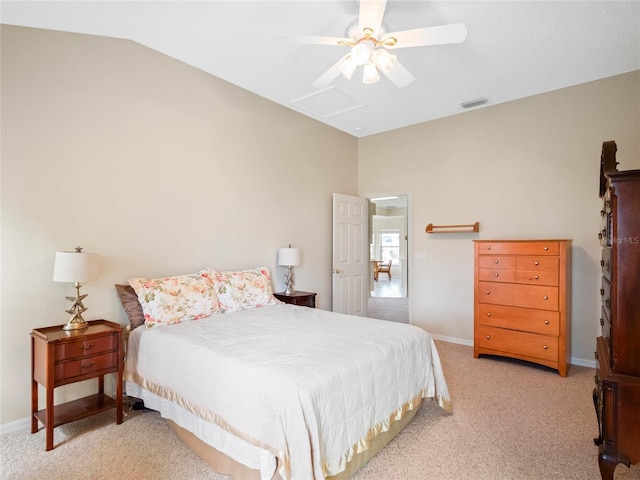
{"x":160,"y":168}
{"x":524,"y":169}
{"x":163,"y":169}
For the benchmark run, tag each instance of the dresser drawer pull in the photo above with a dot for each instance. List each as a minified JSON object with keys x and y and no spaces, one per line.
{"x":546,"y":248}
{"x":496,"y":261}
{"x":87,"y":347}
{"x":607,"y":302}
{"x":536,"y":277}
{"x":488,"y":337}
{"x":536,"y":263}
{"x":602,"y":291}
{"x":91,"y":365}
{"x":488,"y":292}
{"x":545,"y":347}
{"x":488,"y":247}
{"x":546,"y":322}
{"x":602,"y":263}
{"x":602,"y":322}
{"x":488,"y":314}
{"x":545,"y":297}
{"x":496,"y":274}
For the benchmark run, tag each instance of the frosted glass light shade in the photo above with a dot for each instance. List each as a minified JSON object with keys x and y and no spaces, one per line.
{"x":75,"y":267}
{"x":289,"y":257}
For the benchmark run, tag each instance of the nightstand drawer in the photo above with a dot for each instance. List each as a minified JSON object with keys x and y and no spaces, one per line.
{"x":82,"y":348}
{"x":86,"y":366}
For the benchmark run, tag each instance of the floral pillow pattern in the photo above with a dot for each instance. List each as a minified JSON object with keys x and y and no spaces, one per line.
{"x":243,"y":289}
{"x":177,"y":299}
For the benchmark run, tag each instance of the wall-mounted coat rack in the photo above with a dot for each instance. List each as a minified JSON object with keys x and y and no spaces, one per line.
{"x":431,"y":228}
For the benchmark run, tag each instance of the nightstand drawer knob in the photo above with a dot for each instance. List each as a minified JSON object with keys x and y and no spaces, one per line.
{"x":87,"y":347}
{"x":91,"y":365}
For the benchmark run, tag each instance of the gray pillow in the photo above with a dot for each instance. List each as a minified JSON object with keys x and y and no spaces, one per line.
{"x":131,"y":305}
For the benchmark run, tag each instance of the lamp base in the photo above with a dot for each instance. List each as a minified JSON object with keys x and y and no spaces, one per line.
{"x":76,"y":324}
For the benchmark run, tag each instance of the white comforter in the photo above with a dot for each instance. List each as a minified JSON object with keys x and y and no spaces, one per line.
{"x":310,"y":386}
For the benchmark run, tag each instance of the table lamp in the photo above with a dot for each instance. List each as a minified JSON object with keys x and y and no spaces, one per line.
{"x":289,"y":257}
{"x":75,"y":267}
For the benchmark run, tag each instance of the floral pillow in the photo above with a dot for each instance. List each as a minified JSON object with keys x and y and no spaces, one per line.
{"x":243,"y":289}
{"x":177,"y":299}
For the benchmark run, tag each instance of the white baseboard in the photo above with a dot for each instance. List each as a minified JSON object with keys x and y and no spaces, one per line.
{"x":15,"y":426}
{"x":25,"y":423}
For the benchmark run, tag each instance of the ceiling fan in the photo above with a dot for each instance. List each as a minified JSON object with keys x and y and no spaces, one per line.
{"x":370,"y":45}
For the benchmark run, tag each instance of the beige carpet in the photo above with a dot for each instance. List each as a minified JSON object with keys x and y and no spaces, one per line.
{"x":510,"y":422}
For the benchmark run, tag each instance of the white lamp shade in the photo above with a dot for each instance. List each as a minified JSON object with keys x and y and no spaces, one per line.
{"x":75,"y":267}
{"x":289,"y":257}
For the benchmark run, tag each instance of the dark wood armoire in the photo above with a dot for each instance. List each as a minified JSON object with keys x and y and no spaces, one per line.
{"x":617,"y":392}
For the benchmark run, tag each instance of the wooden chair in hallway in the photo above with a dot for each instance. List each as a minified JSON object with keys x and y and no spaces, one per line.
{"x":382,"y":268}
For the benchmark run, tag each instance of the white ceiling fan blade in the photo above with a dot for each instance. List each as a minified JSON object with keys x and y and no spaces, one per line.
{"x":441,"y":35}
{"x":399,"y":75}
{"x":330,"y":75}
{"x":371,"y":13}
{"x":314,"y":39}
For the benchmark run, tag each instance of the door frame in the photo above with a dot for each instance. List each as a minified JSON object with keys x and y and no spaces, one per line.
{"x":409,"y":233}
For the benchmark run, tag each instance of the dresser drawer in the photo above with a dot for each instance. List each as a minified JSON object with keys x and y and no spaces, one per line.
{"x":518,"y":343}
{"x":515,"y":295}
{"x":81,"y":348}
{"x":605,"y":323}
{"x":496,"y":275}
{"x":537,"y":278}
{"x":494,"y":262}
{"x":520,"y":248}
{"x":537,"y":263}
{"x":515,"y":318}
{"x":605,"y":263}
{"x":84,"y":366}
{"x":605,"y":293}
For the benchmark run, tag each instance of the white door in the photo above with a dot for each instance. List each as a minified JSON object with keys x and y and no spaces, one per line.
{"x":350,"y":255}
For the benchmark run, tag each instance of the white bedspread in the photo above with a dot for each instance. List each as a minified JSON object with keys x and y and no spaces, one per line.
{"x":310,"y":386}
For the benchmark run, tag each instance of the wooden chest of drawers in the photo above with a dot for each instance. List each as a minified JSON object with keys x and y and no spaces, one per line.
{"x":522,"y":300}
{"x":617,"y":392}
{"x":60,"y":357}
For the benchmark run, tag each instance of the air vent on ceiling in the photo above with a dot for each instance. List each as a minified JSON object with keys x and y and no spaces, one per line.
{"x":474,"y":103}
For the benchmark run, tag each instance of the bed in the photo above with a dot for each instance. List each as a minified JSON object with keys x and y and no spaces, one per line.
{"x":263,"y":389}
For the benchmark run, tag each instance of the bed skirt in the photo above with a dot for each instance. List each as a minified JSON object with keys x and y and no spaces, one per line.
{"x":224,"y":464}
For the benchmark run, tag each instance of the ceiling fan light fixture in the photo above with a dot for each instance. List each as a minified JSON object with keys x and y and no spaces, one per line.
{"x":370,"y":74}
{"x":348,"y":67}
{"x":384,"y":60}
{"x":361,"y":52}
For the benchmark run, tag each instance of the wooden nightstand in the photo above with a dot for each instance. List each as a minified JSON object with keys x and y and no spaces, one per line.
{"x":305,"y":299}
{"x":60,"y":357}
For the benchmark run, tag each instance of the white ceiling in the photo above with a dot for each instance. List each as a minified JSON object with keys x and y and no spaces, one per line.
{"x":513,"y":49}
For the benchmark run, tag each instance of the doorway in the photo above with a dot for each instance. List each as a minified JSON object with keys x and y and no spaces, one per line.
{"x":388,"y":248}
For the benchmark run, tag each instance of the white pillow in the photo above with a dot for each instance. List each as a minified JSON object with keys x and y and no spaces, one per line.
{"x":239,"y":290}
{"x":176,"y":299}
